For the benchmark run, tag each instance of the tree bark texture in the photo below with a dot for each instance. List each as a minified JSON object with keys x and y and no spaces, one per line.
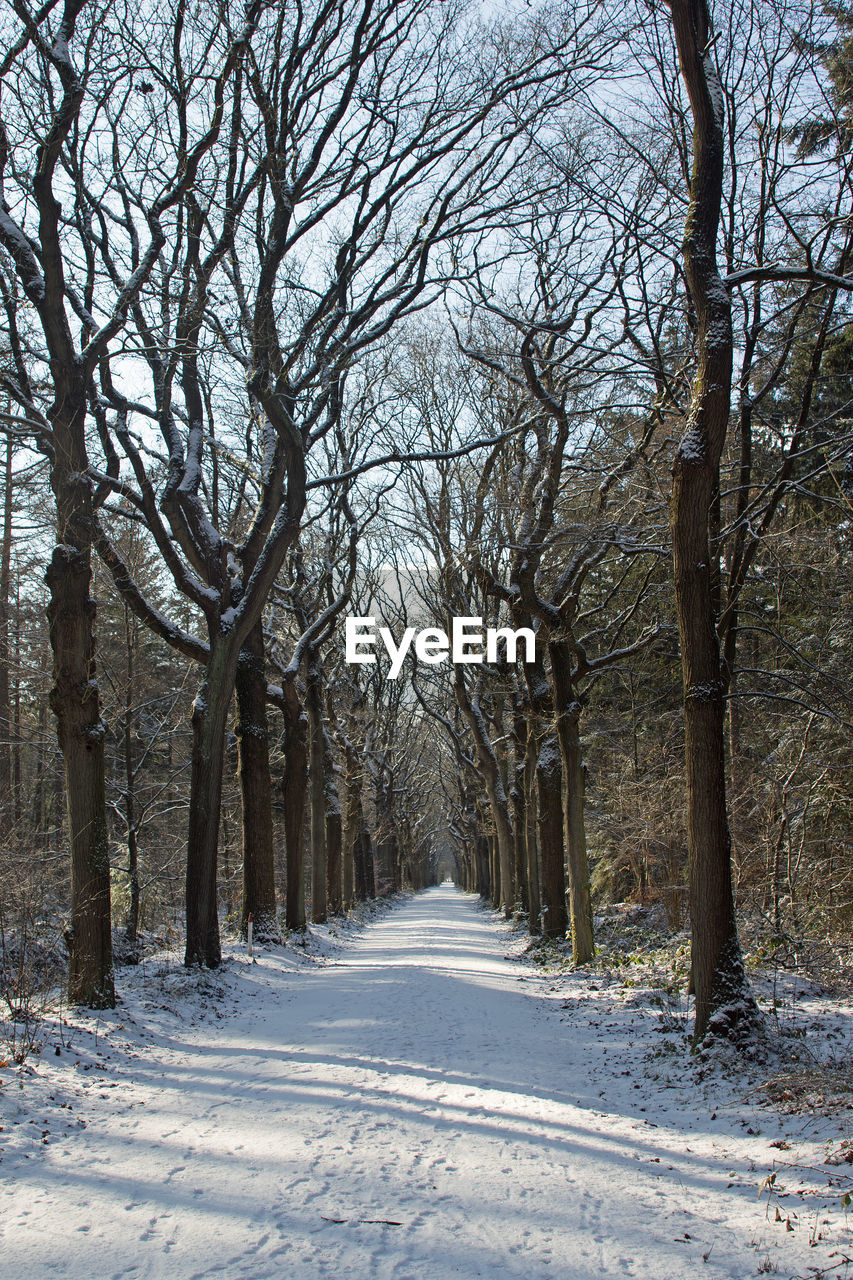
{"x":518,"y":796}
{"x":252,"y":729}
{"x":494,"y":872}
{"x":546,"y":857}
{"x":131,"y":932}
{"x":567,"y":711}
{"x":317,"y":789}
{"x":358,"y":842}
{"x":7,"y":814}
{"x":549,"y":787}
{"x":209,"y":724}
{"x":75,"y":699}
{"x":531,"y":847}
{"x":387,"y":847}
{"x":75,"y":703}
{"x":294,"y":788}
{"x":353,"y":865}
{"x":334,"y":826}
{"x":481,"y":853}
{"x":717,"y":969}
{"x":365,"y":862}
{"x":502,"y":896}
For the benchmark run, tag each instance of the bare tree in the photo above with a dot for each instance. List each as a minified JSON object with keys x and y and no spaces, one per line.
{"x":718,"y":976}
{"x":55,"y":101}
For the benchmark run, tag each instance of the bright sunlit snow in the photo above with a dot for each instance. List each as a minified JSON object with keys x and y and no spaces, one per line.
{"x":415,"y":1103}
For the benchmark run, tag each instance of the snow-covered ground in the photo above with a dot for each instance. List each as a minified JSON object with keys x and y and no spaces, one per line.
{"x":416,"y":1102}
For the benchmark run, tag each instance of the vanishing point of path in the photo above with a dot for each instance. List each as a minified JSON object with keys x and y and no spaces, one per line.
{"x":417,"y":1108}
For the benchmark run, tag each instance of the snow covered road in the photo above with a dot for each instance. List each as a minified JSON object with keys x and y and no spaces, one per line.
{"x":418,"y":1108}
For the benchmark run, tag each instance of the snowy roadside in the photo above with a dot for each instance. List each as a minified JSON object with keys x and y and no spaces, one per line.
{"x":78,"y":1054}
{"x":780,"y":1123}
{"x":416,"y":1099}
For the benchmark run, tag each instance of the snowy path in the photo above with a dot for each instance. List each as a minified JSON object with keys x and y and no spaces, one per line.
{"x":416,"y":1110}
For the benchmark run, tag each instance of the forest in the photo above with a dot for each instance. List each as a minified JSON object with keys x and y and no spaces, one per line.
{"x":410,"y":310}
{"x":426,"y":606}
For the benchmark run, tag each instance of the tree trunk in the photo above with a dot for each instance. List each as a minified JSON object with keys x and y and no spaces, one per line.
{"x":387,"y":851}
{"x":294,"y":788}
{"x":317,"y":788}
{"x":75,"y":697}
{"x":717,"y":968}
{"x":209,"y":724}
{"x":131,"y":932}
{"x":530,"y":843}
{"x":38,"y":815}
{"x":502,"y":896}
{"x":252,"y":729}
{"x":481,"y":853}
{"x":353,"y":863}
{"x":518,"y":797}
{"x":549,"y":786}
{"x":7,"y":814}
{"x":58,"y":805}
{"x":495,"y":872}
{"x":347,"y":819}
{"x":363,"y":872}
{"x":365,"y":856}
{"x":334,"y":828}
{"x":548,"y":862}
{"x":567,"y":712}
{"x":76,"y":705}
{"x":17,"y":735}
{"x":226,"y":878}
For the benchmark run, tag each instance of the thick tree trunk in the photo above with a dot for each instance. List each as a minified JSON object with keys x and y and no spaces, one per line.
{"x":252,"y":729}
{"x":518,"y":797}
{"x":368,"y":853}
{"x":358,"y":837}
{"x":57,"y":804}
{"x":549,"y":786}
{"x":465,"y":867}
{"x":531,"y":847}
{"x":209,"y":723}
{"x":567,"y":710}
{"x":75,"y":701}
{"x":226,"y":877}
{"x":317,"y":788}
{"x":7,"y":814}
{"x":387,"y":847}
{"x":347,"y":869}
{"x":365,"y":874}
{"x":353,"y":863}
{"x":482,"y":849}
{"x":722,"y":1000}
{"x":547,"y":863}
{"x":495,"y":872}
{"x":334,"y":828}
{"x":76,"y":705}
{"x":502,"y":895}
{"x":348,"y":894}
{"x":717,"y":971}
{"x":131,"y":931}
{"x":483,"y":868}
{"x":294,"y":789}
{"x":17,"y":735}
